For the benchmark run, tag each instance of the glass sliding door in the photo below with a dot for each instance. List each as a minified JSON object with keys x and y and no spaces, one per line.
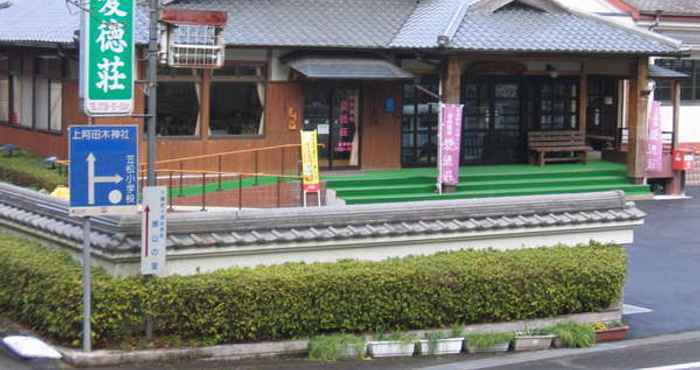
{"x":554,"y":103}
{"x":334,"y":113}
{"x":492,"y":132}
{"x":419,"y":122}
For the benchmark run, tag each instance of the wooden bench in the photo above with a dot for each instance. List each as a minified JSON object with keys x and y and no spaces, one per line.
{"x":542,"y":143}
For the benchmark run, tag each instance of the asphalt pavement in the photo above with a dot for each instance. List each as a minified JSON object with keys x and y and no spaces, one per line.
{"x":680,"y":355}
{"x":664,"y":268}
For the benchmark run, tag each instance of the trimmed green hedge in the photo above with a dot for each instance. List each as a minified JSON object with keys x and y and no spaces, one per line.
{"x":42,"y":288}
{"x":26,"y":169}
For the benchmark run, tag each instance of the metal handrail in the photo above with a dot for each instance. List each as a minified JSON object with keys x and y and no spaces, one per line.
{"x":212,"y":155}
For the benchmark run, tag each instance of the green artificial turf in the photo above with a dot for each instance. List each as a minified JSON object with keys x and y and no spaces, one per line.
{"x":416,"y":184}
{"x":213,"y":185}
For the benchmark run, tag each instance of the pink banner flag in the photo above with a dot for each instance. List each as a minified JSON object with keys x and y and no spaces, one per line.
{"x":655,"y":143}
{"x":449,"y":134}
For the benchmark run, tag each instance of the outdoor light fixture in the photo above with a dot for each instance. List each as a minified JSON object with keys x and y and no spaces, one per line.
{"x":553,"y":73}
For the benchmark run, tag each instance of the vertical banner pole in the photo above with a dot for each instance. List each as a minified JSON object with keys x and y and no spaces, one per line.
{"x":87,"y":287}
{"x":441,"y":108}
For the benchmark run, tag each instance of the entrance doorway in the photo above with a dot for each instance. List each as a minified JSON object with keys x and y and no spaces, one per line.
{"x":492,"y":132}
{"x":333,"y":112}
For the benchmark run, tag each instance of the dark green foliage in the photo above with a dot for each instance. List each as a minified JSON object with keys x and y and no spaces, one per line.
{"x":42,"y":289}
{"x":26,"y":169}
{"x":336,"y":347}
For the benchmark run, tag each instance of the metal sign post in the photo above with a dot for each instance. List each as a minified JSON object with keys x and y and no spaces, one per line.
{"x":103,"y":180}
{"x":87,"y":287}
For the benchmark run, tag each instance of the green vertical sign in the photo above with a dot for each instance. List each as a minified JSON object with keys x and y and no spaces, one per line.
{"x":107,"y":58}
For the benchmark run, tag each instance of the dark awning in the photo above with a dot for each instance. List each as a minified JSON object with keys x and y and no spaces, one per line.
{"x":348,"y":68}
{"x":661,"y":73}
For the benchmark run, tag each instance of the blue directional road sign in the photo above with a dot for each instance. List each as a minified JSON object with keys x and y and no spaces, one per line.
{"x":104,"y":168}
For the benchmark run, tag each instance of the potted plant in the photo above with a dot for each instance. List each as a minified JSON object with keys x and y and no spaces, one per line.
{"x":488,"y":342}
{"x":609,"y":332}
{"x":572,"y":335}
{"x":394,"y":345}
{"x":532,"y":340}
{"x":336,"y":347}
{"x":438,"y":343}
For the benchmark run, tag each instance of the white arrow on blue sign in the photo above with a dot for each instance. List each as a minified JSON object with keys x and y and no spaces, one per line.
{"x":104,"y":169}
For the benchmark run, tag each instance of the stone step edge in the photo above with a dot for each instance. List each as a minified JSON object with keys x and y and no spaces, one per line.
{"x":243,"y":351}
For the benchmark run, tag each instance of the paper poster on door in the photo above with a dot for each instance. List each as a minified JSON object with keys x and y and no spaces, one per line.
{"x":323,"y":129}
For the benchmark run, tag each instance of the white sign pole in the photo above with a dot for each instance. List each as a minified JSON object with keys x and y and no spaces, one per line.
{"x":441,"y":108}
{"x":87,"y":286}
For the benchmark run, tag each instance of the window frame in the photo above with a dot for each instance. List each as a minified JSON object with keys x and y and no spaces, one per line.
{"x":693,"y":79}
{"x":10,"y":90}
{"x":17,"y":75}
{"x":261,"y":78}
{"x":567,"y":100}
{"x":194,"y":77}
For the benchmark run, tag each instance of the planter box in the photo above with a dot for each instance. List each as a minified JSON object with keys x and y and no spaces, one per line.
{"x":532,"y":342}
{"x":351,"y":353}
{"x":390,"y":349}
{"x":442,"y":346}
{"x":611,"y":334}
{"x":501,"y":347}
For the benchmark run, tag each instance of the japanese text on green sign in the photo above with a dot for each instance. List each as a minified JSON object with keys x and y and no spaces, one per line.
{"x":108,"y":52}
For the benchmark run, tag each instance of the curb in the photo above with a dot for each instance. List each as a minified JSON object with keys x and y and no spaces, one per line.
{"x":244,"y":351}
{"x":230,"y":352}
{"x":520,"y":358}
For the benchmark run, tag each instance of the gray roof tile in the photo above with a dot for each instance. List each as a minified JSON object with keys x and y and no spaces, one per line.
{"x":360,"y":24}
{"x":679,"y":7}
{"x":329,"y":23}
{"x":522,"y":30}
{"x":277,"y":226}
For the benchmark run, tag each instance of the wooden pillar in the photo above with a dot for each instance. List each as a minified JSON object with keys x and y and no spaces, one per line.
{"x":638,"y":130}
{"x":676,"y":99}
{"x":583,"y":103}
{"x":452,"y":80}
{"x":204,"y":105}
{"x":676,"y":184}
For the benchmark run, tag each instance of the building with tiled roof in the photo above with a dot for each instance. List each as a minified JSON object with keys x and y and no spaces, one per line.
{"x":367,"y":75}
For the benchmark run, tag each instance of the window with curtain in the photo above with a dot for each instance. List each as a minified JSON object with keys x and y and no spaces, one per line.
{"x":237,"y":100}
{"x":5,"y":87}
{"x":5,"y":94}
{"x":690,"y":87}
{"x":178,"y":102}
{"x":31,"y":93}
{"x":41,"y":94}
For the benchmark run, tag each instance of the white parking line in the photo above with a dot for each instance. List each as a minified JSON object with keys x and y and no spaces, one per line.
{"x":628,"y":309}
{"x":688,"y":366}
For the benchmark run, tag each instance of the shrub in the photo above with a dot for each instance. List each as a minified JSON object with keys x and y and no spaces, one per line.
{"x":42,"y":288}
{"x":336,"y":347}
{"x":26,"y":169}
